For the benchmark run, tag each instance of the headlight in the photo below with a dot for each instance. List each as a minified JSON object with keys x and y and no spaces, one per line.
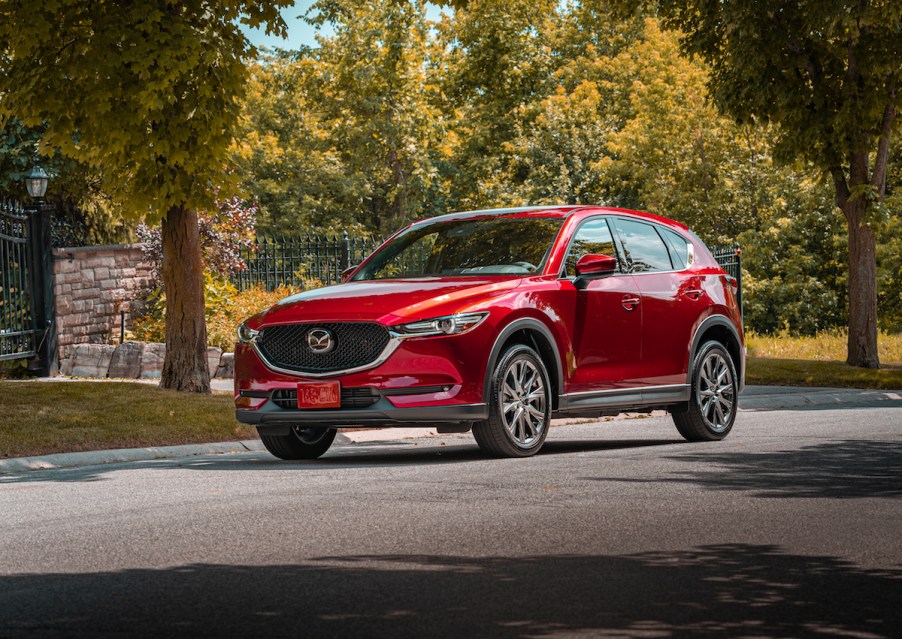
{"x":246,"y":335}
{"x":447,"y":325}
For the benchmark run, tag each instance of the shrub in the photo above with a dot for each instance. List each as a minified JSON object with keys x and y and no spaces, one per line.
{"x":225,"y":309}
{"x":223,"y":233}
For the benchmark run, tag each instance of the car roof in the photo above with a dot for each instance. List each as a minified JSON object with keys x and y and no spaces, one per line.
{"x":559,"y":211}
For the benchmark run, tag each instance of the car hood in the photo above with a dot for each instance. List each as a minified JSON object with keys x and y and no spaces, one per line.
{"x":385,"y":301}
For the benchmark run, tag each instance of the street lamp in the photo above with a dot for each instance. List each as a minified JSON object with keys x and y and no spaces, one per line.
{"x":36,"y":181}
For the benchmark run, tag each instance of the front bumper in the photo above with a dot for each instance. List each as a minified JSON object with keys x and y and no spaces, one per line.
{"x":270,"y":419}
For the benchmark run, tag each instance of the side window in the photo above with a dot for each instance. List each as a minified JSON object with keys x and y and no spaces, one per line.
{"x":680,"y":248}
{"x":644,"y":248}
{"x":593,"y":237}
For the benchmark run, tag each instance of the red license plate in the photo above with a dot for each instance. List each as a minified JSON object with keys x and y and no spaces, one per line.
{"x":319,"y":395}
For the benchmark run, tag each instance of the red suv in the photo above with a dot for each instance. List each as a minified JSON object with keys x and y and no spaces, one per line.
{"x":496,"y":321}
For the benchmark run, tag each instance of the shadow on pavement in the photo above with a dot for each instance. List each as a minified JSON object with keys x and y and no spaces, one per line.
{"x":842,"y":469}
{"x":711,"y":591}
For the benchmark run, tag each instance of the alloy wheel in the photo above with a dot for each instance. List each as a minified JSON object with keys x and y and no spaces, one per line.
{"x":715,"y":393}
{"x":523,"y":402}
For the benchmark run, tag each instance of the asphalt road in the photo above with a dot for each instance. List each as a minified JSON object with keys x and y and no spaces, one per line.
{"x":792,"y":527}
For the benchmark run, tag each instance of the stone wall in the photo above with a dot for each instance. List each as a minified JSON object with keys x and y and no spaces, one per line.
{"x":133,"y":360}
{"x":94,"y":285}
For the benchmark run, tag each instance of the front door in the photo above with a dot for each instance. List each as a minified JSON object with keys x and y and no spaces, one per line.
{"x":606,"y":325}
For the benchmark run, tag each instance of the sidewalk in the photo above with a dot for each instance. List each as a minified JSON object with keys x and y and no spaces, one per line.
{"x":755,"y":398}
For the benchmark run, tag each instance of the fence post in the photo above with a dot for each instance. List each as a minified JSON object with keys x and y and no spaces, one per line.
{"x":42,"y":286}
{"x":345,"y":254}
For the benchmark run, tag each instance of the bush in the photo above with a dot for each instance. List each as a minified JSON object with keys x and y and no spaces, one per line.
{"x":225,"y":309}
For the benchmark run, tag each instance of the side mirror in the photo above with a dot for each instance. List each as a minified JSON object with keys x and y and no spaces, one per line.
{"x":595,"y":265}
{"x":348,"y":272}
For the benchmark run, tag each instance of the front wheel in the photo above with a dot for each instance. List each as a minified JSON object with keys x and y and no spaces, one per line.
{"x":300,"y":443}
{"x":519,"y":406}
{"x":712,"y":406}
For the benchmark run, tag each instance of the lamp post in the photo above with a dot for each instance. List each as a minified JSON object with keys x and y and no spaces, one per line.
{"x":41,"y":272}
{"x":36,"y":182}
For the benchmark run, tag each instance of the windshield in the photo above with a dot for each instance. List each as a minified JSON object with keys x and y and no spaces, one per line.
{"x":474,"y":246}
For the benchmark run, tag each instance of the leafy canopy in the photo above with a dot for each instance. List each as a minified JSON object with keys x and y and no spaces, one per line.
{"x":824,"y":70}
{"x":143,"y":93}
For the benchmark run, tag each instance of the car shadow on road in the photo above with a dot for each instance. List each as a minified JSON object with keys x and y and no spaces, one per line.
{"x":832,"y":470}
{"x":708,"y":591}
{"x":394,"y":454}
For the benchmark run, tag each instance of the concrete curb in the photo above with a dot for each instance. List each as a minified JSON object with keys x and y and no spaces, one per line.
{"x":116,"y":456}
{"x":98,"y":457}
{"x":792,"y":397}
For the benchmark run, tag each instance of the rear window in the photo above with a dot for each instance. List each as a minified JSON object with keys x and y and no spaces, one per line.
{"x":644,"y":248}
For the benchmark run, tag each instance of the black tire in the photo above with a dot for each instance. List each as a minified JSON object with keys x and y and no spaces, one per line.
{"x":518,"y":426}
{"x":711,"y":411}
{"x":300,"y":443}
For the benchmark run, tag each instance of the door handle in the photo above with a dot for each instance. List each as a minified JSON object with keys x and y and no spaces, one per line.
{"x":630,"y":302}
{"x":693,"y":293}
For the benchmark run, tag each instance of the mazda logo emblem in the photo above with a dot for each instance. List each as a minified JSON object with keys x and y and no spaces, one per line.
{"x":320,"y":341}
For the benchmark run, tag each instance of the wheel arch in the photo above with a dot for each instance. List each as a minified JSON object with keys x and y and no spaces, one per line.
{"x":536,"y":335}
{"x":720,"y":329}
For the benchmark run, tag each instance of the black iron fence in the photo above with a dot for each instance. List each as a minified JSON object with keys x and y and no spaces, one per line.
{"x":18,"y":330}
{"x":297,"y":261}
{"x":27,"y":327}
{"x":730,"y":260}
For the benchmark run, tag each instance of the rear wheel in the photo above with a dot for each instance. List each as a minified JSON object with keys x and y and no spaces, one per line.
{"x":711,"y":411}
{"x":519,"y":406}
{"x":300,"y":443}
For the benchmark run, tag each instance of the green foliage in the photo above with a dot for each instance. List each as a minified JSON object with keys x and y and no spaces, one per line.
{"x":795,"y":275}
{"x":340,"y":136}
{"x":824,"y":71}
{"x":74,"y":191}
{"x":143,"y":94}
{"x":889,"y":249}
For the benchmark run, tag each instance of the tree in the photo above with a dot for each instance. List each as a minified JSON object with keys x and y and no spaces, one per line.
{"x":371,"y":84}
{"x":826,"y":73}
{"x":496,"y":60}
{"x":143,"y":93}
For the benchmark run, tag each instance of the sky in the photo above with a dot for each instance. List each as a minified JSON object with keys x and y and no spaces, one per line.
{"x":301,"y":33}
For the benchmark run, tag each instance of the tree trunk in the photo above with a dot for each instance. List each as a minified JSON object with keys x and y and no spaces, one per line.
{"x":862,"y":347}
{"x":185,"y":367}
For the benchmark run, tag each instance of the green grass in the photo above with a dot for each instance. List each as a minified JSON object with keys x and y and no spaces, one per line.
{"x":827,"y":346}
{"x":802,"y":372}
{"x":40,"y":418}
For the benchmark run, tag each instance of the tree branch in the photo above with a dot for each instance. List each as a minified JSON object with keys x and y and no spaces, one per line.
{"x":842,"y":187}
{"x":878,"y":179}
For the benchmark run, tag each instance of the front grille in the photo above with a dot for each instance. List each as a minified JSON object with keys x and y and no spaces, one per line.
{"x":359,"y":397}
{"x":355,"y":344}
